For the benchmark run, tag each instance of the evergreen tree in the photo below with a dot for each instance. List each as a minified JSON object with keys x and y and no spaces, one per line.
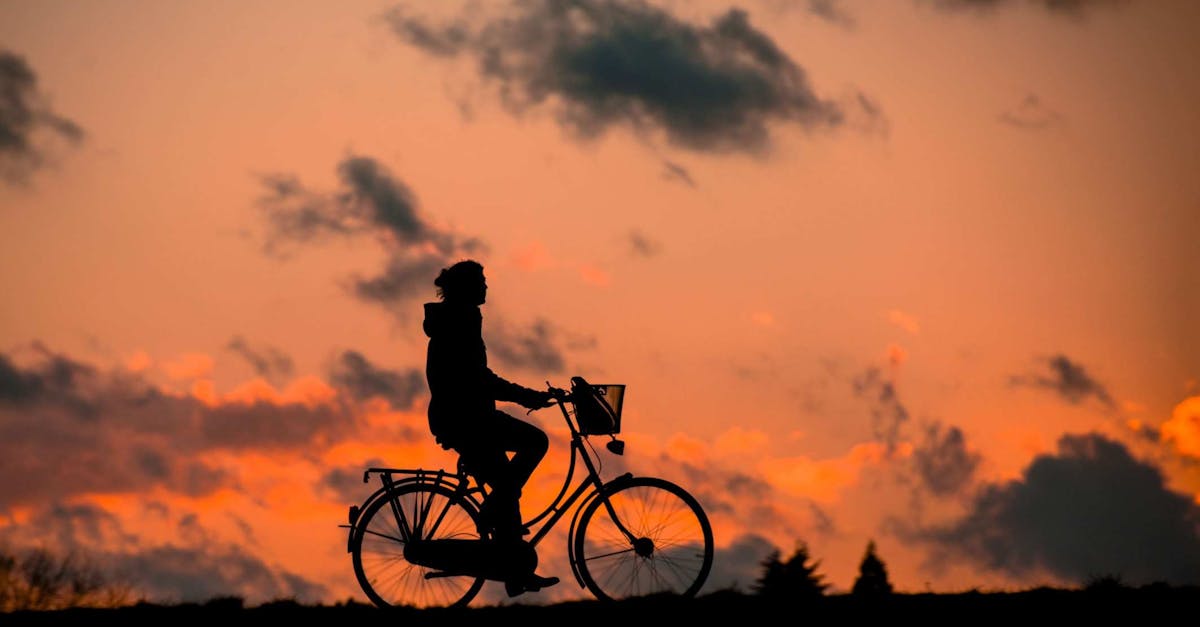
{"x":872,"y":575}
{"x":771,"y":582}
{"x":796,"y":577}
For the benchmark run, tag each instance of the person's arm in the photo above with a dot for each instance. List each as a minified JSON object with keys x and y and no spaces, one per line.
{"x":505,"y":390}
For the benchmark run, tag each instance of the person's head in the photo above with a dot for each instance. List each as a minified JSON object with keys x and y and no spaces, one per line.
{"x":462,"y":283}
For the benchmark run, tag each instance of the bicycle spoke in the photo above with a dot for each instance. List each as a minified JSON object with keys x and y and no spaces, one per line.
{"x":604,"y":555}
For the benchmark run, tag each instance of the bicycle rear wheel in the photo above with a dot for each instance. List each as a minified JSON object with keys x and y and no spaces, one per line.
{"x":671,"y":550}
{"x":389,"y":579}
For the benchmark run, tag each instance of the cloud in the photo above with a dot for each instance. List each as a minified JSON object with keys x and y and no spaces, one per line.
{"x":829,"y":10}
{"x":642,"y":245}
{"x":189,"y":366}
{"x":68,"y":428}
{"x":55,"y":380}
{"x":1067,"y":379}
{"x":267,"y":361}
{"x":532,"y":348}
{"x":888,"y":414}
{"x":363,"y":380}
{"x":942,"y":460}
{"x":674,"y":172}
{"x":738,"y":566}
{"x":1088,"y":511}
{"x":269,"y":425}
{"x":193,"y":568}
{"x":27,"y":122}
{"x":1031,"y":115}
{"x":764,"y":503}
{"x":1182,"y":429}
{"x":369,"y":202}
{"x":905,"y":321}
{"x":346,"y":482}
{"x":1067,"y":8}
{"x":604,"y":64}
{"x":403,"y":277}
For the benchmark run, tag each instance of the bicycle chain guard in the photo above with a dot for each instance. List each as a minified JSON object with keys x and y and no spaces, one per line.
{"x":490,"y":559}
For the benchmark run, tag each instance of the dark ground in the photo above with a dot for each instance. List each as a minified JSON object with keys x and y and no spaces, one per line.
{"x":1143,"y":606}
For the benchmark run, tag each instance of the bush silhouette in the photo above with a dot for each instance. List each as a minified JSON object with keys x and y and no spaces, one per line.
{"x":872,"y":578}
{"x":39,"y":579}
{"x":795,"y":578}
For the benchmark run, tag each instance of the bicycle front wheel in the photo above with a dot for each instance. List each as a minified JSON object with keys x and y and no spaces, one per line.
{"x":435,"y":512}
{"x":659,"y":542}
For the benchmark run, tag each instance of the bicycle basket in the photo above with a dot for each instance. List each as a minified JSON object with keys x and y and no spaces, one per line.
{"x":597,"y":407}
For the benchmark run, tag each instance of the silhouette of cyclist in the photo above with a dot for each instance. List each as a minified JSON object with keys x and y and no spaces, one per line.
{"x":462,"y":408}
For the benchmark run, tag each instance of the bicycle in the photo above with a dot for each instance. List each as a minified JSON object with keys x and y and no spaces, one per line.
{"x":418,"y":540}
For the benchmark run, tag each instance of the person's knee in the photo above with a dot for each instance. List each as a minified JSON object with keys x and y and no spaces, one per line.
{"x":539,"y":444}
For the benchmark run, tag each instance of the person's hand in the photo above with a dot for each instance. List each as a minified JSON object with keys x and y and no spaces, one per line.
{"x":539,"y":399}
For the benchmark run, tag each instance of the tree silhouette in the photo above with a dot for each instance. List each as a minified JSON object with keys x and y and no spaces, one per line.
{"x":795,"y":578}
{"x":872,"y":578}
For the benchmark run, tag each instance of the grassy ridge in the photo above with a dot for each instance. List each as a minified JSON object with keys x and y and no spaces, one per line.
{"x":1039,"y":606}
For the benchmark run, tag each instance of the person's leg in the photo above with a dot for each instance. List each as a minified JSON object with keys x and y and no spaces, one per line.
{"x":485,"y":453}
{"x":529,"y":445}
{"x":527,"y":442}
{"x":489,"y":465}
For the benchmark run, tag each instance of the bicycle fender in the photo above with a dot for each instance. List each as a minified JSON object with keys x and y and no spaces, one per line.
{"x":356,"y":510}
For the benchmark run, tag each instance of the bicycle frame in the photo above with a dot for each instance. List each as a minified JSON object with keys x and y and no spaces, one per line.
{"x":467,"y":486}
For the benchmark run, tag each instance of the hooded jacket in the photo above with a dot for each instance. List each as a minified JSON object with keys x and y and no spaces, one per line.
{"x":463,"y":389}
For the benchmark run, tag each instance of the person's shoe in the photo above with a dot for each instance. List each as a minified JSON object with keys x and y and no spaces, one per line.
{"x":537,"y":582}
{"x":533,"y":583}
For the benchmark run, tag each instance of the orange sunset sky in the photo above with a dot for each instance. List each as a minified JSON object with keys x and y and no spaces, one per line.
{"x":923,"y":272}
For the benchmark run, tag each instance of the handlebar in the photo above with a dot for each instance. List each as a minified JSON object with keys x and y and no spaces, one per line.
{"x":558,"y":394}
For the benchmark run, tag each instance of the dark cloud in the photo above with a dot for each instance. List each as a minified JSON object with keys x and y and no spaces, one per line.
{"x":1031,"y":115}
{"x":268,"y":362}
{"x":749,"y":499}
{"x":642,"y":245}
{"x":888,"y":414}
{"x":133,"y":436}
{"x":386,"y":203}
{"x":831,"y":11}
{"x":1088,"y":511}
{"x":346,"y":482}
{"x":358,"y":376}
{"x":625,"y":63}
{"x":194,"y":568}
{"x":1067,"y":379}
{"x":369,"y":202}
{"x":57,"y":379}
{"x":674,"y":172}
{"x":26,"y":121}
{"x":264,"y":425}
{"x":401,"y":278}
{"x":942,"y":460}
{"x":1071,"y":8}
{"x":192,"y":574}
{"x":739,"y":565}
{"x":532,"y":348}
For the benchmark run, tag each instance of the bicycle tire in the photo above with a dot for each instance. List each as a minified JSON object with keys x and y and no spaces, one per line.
{"x":673,"y":548}
{"x":387,"y":578}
